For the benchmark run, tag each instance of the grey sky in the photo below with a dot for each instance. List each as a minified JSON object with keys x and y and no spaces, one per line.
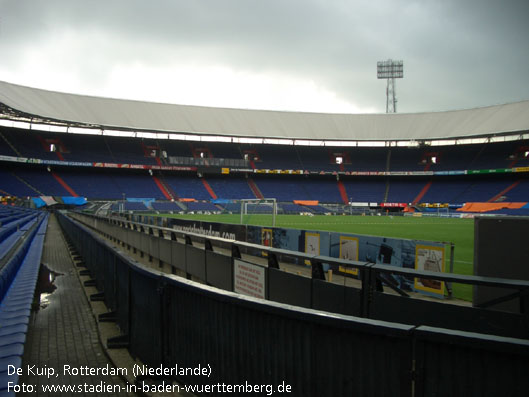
{"x":282,"y":53}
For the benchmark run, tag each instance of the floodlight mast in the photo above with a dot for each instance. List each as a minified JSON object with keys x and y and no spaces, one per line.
{"x":390,"y":70}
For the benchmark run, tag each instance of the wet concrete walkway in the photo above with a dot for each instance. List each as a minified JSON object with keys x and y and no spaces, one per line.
{"x":63,"y":331}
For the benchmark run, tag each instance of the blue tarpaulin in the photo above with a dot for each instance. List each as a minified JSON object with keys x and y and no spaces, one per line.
{"x":47,"y":200}
{"x":73,"y":200}
{"x":38,"y":202}
{"x":221,"y":201}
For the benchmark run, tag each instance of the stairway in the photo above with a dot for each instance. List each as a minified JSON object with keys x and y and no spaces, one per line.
{"x":162,"y":188}
{"x":386,"y":192}
{"x":166,"y":190}
{"x":254,"y":188}
{"x":502,"y":193}
{"x":64,"y":184}
{"x":209,"y":189}
{"x":422,"y":193}
{"x":343,"y":192}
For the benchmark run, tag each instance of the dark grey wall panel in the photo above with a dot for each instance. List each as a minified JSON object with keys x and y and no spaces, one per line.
{"x":144,"y":242}
{"x":165,"y":250}
{"x":452,"y":363}
{"x":102,"y":226}
{"x":136,"y":239}
{"x":444,"y":315}
{"x":328,"y":297}
{"x":122,"y":294}
{"x":336,"y":298}
{"x":289,"y":288}
{"x":112,"y":229}
{"x":196,"y":261}
{"x":154,"y":247}
{"x":109,"y":271}
{"x":219,"y":270}
{"x":145,"y":318}
{"x":500,"y":250}
{"x":353,"y":301}
{"x":178,"y":255}
{"x":120,"y":234}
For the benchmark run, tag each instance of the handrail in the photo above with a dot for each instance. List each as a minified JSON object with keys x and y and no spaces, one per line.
{"x":447,"y":277}
{"x":172,"y":320}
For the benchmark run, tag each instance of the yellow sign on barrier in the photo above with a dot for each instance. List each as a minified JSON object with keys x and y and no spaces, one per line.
{"x":312,"y":245}
{"x":348,"y":251}
{"x":432,"y":259}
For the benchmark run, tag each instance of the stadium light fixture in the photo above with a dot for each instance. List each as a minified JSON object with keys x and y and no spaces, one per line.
{"x":390,"y":70}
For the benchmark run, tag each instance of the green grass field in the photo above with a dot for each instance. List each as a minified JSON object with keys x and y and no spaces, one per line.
{"x":458,"y":231}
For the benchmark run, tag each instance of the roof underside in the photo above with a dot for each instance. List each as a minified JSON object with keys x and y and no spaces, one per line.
{"x":148,"y":116}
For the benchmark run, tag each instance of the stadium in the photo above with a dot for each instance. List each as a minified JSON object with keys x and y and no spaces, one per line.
{"x":199,"y":196}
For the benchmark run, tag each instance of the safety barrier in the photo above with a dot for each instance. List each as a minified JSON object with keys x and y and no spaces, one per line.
{"x":168,"y":320}
{"x":196,"y":259}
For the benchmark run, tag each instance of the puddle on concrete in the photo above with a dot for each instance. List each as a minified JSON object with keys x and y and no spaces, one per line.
{"x":45,"y":287}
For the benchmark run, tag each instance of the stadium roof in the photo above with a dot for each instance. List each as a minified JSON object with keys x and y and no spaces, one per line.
{"x":108,"y":113}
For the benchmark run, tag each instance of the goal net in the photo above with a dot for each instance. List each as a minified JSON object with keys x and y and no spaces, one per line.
{"x":265,"y":209}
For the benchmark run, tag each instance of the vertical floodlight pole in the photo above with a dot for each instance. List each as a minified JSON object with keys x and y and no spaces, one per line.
{"x":390,"y":70}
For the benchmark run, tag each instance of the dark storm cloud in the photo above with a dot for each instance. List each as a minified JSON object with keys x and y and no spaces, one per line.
{"x":456,"y":53}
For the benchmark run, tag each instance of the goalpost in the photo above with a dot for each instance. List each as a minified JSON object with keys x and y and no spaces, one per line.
{"x":264,"y":203}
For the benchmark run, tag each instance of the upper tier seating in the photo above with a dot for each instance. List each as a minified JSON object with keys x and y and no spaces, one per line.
{"x":461,"y":190}
{"x":199,"y":206}
{"x":118,"y":184}
{"x":129,"y":206}
{"x":23,"y":180}
{"x":43,"y":181}
{"x":111,"y":149}
{"x":404,"y":191}
{"x":365,"y":191}
{"x":230,"y":187}
{"x":188,"y":186}
{"x":105,"y":184}
{"x":291,"y":188}
{"x":166,"y":206}
{"x":11,"y":186}
{"x":519,"y":193}
{"x":288,"y":208}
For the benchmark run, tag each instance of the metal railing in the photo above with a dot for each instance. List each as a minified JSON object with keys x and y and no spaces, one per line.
{"x":168,"y":320}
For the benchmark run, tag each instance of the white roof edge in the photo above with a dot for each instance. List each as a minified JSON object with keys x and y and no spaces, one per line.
{"x":190,"y":119}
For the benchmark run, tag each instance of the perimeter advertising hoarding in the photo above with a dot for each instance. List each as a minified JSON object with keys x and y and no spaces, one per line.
{"x":380,"y":250}
{"x":223,"y":230}
{"x":267,"y":238}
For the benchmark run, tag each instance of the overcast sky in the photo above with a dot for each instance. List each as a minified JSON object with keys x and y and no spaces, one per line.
{"x":303,"y":55}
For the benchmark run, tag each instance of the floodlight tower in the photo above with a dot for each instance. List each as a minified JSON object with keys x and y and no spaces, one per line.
{"x":390,"y":70}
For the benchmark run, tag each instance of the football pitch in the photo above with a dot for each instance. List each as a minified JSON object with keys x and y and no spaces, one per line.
{"x":458,"y":231}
